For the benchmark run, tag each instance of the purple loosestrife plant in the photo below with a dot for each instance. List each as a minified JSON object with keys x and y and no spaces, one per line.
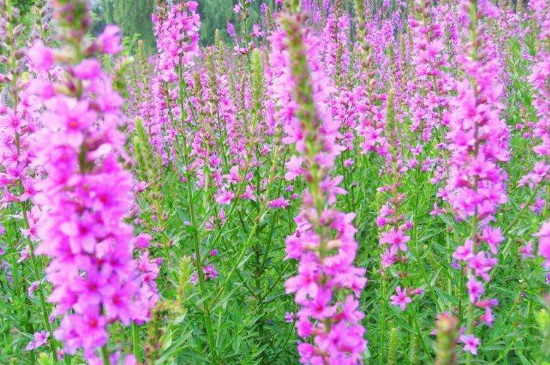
{"x":432,"y":82}
{"x":18,"y":124}
{"x":327,"y":286}
{"x":540,"y":79}
{"x":371,"y":102}
{"x":479,"y":144}
{"x":392,"y":223}
{"x":85,"y":194}
{"x":176,"y":29}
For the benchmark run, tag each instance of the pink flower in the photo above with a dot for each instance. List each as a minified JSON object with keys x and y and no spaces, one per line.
{"x":224,"y":197}
{"x":73,"y":116}
{"x":40,"y":57}
{"x":475,"y":289}
{"x":87,"y":69}
{"x":117,"y":301}
{"x":143,"y":240}
{"x":481,"y":263}
{"x":85,"y":198}
{"x":401,"y":299}
{"x":256,"y":32}
{"x":231,"y":30}
{"x":544,"y":243}
{"x":348,"y":162}
{"x":278,"y":203}
{"x":248,"y":193}
{"x":526,"y":251}
{"x":479,"y":146}
{"x":289,"y":317}
{"x":388,"y":258}
{"x":294,"y":167}
{"x":40,"y":339}
{"x":465,"y":252}
{"x":90,"y":326}
{"x":32,"y":288}
{"x":493,"y":237}
{"x":109,"y":40}
{"x":24,"y":254}
{"x":324,"y":242}
{"x":488,"y":317}
{"x":396,"y":238}
{"x":470,"y":342}
{"x":304,"y":327}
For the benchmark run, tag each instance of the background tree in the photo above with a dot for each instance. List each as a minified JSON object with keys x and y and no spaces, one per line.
{"x":133,"y":17}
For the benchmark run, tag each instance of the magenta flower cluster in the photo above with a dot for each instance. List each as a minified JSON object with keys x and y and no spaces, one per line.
{"x":479,"y":145}
{"x":540,"y":79}
{"x":327,"y":286}
{"x":85,"y":194}
{"x":176,"y":30}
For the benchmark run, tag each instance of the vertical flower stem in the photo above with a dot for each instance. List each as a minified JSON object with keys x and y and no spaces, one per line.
{"x":195,"y":235}
{"x":135,"y":342}
{"x":105,"y":355}
{"x":43,"y":305}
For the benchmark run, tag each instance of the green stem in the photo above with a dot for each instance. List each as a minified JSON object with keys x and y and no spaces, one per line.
{"x":43,"y":305}
{"x":105,"y":355}
{"x":135,"y":342}
{"x":383,"y":296}
{"x":198,"y":258}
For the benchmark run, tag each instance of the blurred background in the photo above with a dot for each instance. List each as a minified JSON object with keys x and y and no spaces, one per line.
{"x":134,"y":17}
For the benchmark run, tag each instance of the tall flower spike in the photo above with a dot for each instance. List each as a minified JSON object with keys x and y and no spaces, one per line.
{"x":327,"y":286}
{"x":392,"y":223}
{"x":540,"y":79}
{"x":479,"y":144}
{"x":19,"y":121}
{"x":86,"y":195}
{"x":176,"y":28}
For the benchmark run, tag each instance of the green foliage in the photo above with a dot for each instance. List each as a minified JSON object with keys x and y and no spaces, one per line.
{"x":133,"y":17}
{"x":24,"y":5}
{"x":238,"y":318}
{"x":98,"y":18}
{"x":215,"y":14}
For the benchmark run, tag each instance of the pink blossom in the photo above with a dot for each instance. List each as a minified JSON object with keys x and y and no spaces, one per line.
{"x":324,"y":241}
{"x":32,"y":288}
{"x":224,"y":197}
{"x":40,"y":57}
{"x":396,"y":238}
{"x":278,"y":203}
{"x":87,"y":69}
{"x":471,"y":343}
{"x":526,"y":251}
{"x":143,"y":240}
{"x":39,"y":340}
{"x":109,"y":40}
{"x":544,"y":243}
{"x":289,"y":317}
{"x":400,"y":299}
{"x":85,"y":197}
{"x":475,"y":289}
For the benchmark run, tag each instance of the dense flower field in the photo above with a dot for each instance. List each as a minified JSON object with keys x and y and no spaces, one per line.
{"x":346,"y":182}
